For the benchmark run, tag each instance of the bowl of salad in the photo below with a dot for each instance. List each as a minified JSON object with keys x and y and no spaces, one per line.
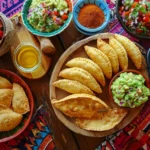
{"x":134,"y":16}
{"x":129,"y":88}
{"x":47,"y":17}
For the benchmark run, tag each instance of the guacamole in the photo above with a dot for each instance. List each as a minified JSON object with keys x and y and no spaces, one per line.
{"x":129,"y":90}
{"x":48,"y":15}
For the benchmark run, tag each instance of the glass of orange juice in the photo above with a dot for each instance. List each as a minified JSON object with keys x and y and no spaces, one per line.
{"x":27,"y":57}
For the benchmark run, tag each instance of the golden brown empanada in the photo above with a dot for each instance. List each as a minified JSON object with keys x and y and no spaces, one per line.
{"x":79,"y":105}
{"x":110,"y":52}
{"x":102,"y":121}
{"x":72,"y":86}
{"x":4,"y":83}
{"x":81,"y":76}
{"x":20,"y":102}
{"x":121,"y":52}
{"x":8,"y":119}
{"x":100,"y":59}
{"x":89,"y":66}
{"x":131,"y":49}
{"x":6,"y":96}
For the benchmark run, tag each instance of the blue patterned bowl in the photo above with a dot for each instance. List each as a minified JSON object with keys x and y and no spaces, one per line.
{"x":24,"y":14}
{"x":99,"y":3}
{"x":86,"y":33}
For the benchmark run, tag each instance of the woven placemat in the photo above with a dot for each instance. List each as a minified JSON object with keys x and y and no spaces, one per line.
{"x":37,"y":136}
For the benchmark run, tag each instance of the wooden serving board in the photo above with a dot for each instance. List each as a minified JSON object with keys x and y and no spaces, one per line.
{"x":23,"y":35}
{"x":77,"y":50}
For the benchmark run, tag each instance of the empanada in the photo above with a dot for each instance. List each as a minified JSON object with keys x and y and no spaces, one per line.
{"x":110,"y":52}
{"x":4,"y":83}
{"x":121,"y":53}
{"x":20,"y":102}
{"x":102,"y":121}
{"x":81,"y":76}
{"x":89,"y":66}
{"x":6,"y":96}
{"x":79,"y":105}
{"x":131,"y":49}
{"x":8,"y":119}
{"x":72,"y":86}
{"x":100,"y":59}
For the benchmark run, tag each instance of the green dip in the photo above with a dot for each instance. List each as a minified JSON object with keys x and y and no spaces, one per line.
{"x":129,"y":90}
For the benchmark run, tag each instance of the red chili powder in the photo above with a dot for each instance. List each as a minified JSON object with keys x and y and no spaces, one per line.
{"x":91,"y":16}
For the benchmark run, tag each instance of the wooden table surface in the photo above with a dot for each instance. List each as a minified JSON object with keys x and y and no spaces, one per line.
{"x":63,"y":137}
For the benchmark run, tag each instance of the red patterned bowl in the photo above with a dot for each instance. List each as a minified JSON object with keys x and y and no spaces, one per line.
{"x":12,"y":77}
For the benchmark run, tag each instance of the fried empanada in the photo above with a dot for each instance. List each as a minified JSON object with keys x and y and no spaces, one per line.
{"x":20,"y":102}
{"x":81,"y":76}
{"x":131,"y":49}
{"x":102,"y":121}
{"x":6,"y":96}
{"x":4,"y":83}
{"x":100,"y":59}
{"x":110,"y":52}
{"x":8,"y":119}
{"x":89,"y":66}
{"x":72,"y":86}
{"x":121,"y":53}
{"x":79,"y":105}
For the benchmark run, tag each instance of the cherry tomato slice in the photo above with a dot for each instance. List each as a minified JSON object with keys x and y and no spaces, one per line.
{"x":1,"y":34}
{"x":146,"y":19}
{"x":147,"y":25}
{"x":136,"y":0}
{"x":55,"y":13}
{"x":64,"y":17}
{"x":138,"y":30}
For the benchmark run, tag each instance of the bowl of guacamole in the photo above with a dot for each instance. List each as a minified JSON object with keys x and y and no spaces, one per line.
{"x":129,"y":89}
{"x":47,"y":17}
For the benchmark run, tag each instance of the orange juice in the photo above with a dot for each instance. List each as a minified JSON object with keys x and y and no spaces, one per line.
{"x":27,"y":58}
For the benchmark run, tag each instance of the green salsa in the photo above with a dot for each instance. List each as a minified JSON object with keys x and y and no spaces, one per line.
{"x":129,"y":90}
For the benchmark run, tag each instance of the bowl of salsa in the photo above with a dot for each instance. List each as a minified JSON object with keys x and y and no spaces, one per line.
{"x":47,"y":17}
{"x":134,"y":16}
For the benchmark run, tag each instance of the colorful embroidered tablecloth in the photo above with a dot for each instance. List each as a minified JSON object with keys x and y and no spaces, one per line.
{"x":37,"y":136}
{"x":135,"y":136}
{"x":12,"y":7}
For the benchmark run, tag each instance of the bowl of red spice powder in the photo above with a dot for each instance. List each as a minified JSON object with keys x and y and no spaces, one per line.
{"x":91,"y":16}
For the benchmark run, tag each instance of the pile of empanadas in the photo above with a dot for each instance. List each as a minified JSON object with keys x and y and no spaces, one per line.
{"x":84,"y":76}
{"x":90,"y":112}
{"x":13,"y":104}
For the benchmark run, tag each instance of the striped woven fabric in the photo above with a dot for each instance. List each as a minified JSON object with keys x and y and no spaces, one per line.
{"x":13,"y":7}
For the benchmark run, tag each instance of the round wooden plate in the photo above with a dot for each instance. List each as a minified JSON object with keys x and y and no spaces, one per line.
{"x":77,"y":50}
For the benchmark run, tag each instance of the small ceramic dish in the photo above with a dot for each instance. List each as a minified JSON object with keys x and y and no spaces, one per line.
{"x":26,"y":23}
{"x":100,"y":4}
{"x":86,"y":33}
{"x":8,"y":135}
{"x":118,"y":75}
